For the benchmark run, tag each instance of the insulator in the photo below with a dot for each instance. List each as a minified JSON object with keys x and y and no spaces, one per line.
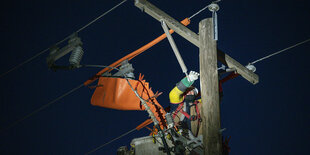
{"x":130,"y":75}
{"x":251,"y":67}
{"x":170,"y":121}
{"x":53,"y":50}
{"x":76,"y":56}
{"x":125,"y":70}
{"x":213,"y":7}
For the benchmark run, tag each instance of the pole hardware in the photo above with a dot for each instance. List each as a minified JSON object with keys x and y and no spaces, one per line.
{"x":74,"y":46}
{"x":214,"y":7}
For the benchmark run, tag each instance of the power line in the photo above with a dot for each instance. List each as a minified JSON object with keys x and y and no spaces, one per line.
{"x":42,"y":52}
{"x":54,"y":101}
{"x":268,"y":56}
{"x":21,"y":64}
{"x":30,"y":59}
{"x":42,"y":107}
{"x":101,"y":146}
{"x":101,"y":16}
{"x":198,"y":12}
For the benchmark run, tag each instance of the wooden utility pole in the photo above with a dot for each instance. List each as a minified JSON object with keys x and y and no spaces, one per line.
{"x":209,"y":83}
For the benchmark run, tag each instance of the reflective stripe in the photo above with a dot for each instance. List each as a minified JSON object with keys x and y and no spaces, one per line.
{"x":181,"y":86}
{"x":186,"y":82}
{"x":175,"y":96}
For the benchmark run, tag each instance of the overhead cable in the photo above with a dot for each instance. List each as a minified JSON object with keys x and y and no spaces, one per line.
{"x":41,"y":108}
{"x":101,"y":146}
{"x":30,"y":59}
{"x":42,"y":52}
{"x":198,"y":12}
{"x":101,"y":16}
{"x":268,"y":56}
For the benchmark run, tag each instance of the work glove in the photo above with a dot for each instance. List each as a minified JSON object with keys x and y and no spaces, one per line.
{"x":192,"y":76}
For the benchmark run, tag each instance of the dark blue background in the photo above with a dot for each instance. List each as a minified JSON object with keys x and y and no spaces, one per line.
{"x":271,"y":117}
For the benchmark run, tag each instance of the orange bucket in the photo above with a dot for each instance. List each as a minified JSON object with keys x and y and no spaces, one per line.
{"x":116,"y":93}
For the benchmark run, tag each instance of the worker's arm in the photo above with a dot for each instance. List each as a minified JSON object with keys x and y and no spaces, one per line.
{"x":175,"y":94}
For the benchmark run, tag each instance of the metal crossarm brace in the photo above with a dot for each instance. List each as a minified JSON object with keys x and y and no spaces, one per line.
{"x":194,"y":39}
{"x":174,"y":48}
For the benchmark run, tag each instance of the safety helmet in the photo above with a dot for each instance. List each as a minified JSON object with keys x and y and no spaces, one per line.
{"x":191,"y":89}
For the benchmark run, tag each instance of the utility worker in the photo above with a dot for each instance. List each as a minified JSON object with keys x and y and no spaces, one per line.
{"x":182,"y":97}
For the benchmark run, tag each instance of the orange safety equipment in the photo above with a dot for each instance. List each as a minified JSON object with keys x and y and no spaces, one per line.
{"x":116,"y":93}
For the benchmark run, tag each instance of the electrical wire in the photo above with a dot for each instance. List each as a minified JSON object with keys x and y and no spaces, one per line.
{"x":41,"y":108}
{"x":101,"y":16}
{"x":268,"y":56}
{"x":30,"y":59}
{"x":101,"y":146}
{"x":48,"y":104}
{"x":198,"y":12}
{"x":42,"y":52}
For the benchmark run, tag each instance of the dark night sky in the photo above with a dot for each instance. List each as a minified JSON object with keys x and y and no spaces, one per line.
{"x":271,"y":117}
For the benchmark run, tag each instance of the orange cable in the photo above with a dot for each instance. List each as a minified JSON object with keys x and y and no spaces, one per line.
{"x":130,"y":56}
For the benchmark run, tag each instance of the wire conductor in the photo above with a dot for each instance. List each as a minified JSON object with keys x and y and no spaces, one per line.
{"x":283,"y":50}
